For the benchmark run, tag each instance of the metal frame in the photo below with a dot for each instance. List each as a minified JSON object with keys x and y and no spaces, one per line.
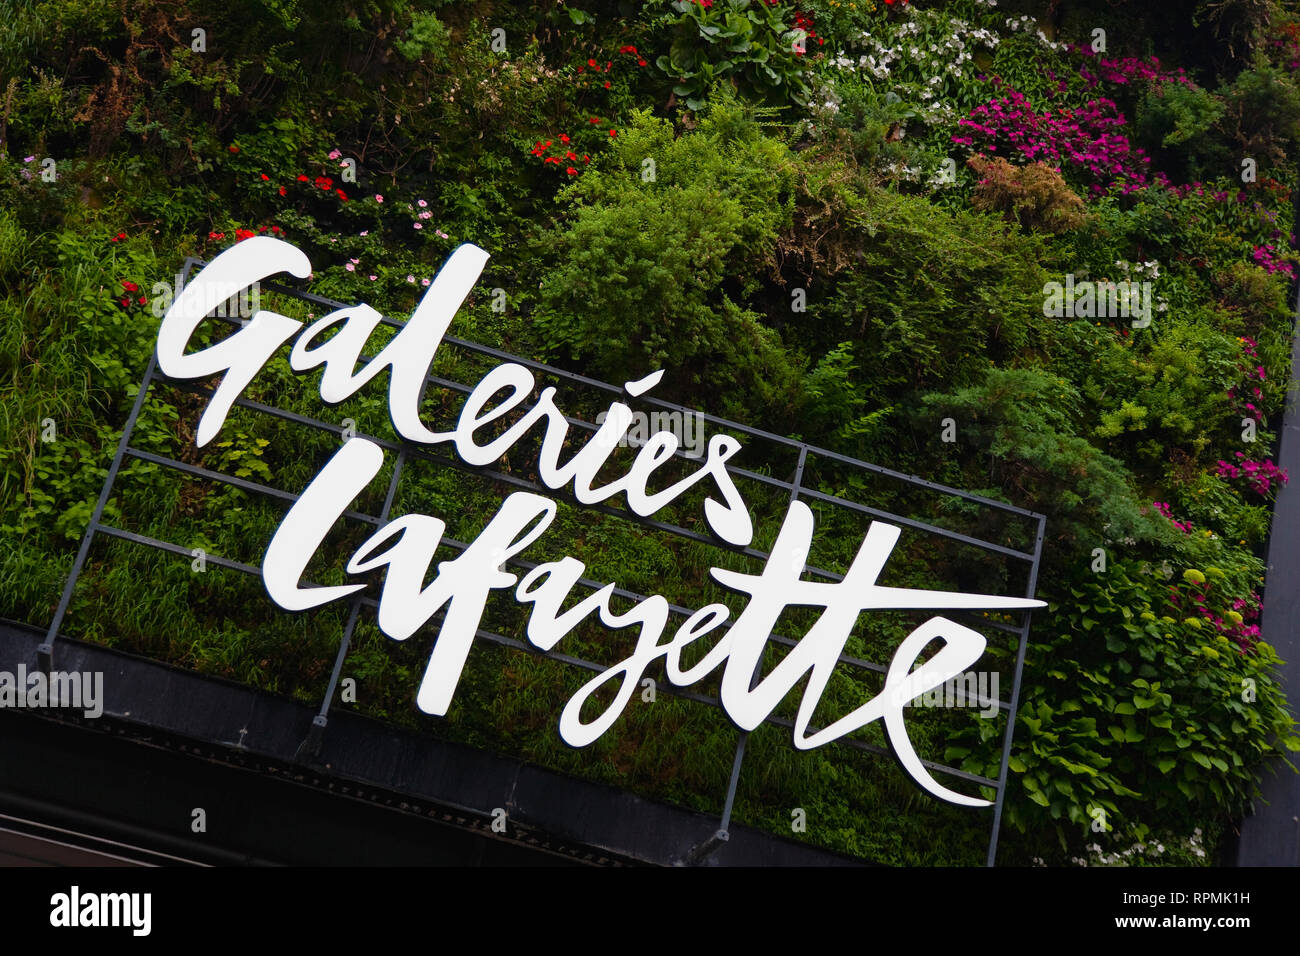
{"x":310,"y":746}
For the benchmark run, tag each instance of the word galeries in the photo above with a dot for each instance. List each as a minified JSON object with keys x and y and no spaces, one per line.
{"x":405,"y":546}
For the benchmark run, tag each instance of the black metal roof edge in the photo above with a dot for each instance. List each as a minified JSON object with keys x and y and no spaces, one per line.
{"x":363,"y":759}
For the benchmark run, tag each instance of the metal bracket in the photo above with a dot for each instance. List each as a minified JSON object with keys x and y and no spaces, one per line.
{"x":703,"y":851}
{"x":309,"y":749}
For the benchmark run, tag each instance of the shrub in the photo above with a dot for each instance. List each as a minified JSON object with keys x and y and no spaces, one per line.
{"x":1034,"y":196}
{"x":648,"y":269}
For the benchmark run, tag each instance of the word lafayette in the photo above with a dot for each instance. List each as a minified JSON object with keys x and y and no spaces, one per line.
{"x":406,"y":545}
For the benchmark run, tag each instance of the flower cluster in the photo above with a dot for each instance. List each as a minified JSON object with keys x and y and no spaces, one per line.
{"x":1126,"y":70}
{"x":923,"y":57}
{"x":1266,"y":258}
{"x":562,"y":151}
{"x":1260,"y":475}
{"x":1253,"y":375}
{"x":804,"y":22}
{"x":1163,"y":507}
{"x":563,"y":155}
{"x":1088,"y":138}
{"x":131,"y":295}
{"x":1236,"y":623}
{"x":1026,"y":24}
{"x":934,"y":45}
{"x":241,"y":233}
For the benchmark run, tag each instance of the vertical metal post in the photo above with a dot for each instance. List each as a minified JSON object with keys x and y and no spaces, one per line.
{"x":310,"y":747}
{"x":1015,"y":696}
{"x":702,"y":851}
{"x":45,"y":651}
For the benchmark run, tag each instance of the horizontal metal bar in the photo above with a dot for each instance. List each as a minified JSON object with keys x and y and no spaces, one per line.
{"x":242,"y":483}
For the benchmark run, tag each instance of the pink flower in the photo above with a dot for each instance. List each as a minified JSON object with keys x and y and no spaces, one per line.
{"x":365,"y":233}
{"x":426,"y":214}
{"x":421,"y":203}
{"x":335,"y":154}
{"x":419,"y":225}
{"x":424,"y":282}
{"x":378,"y":198}
{"x":373,"y":278}
{"x":350,"y":267}
{"x":410,"y":279}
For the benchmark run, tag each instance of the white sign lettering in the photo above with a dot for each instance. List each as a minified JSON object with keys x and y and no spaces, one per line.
{"x":405,"y":546}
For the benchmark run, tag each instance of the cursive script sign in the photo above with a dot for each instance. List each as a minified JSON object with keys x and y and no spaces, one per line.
{"x":405,"y":546}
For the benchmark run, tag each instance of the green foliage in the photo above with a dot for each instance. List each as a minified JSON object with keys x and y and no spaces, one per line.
{"x":1263,"y":111}
{"x":426,"y":37}
{"x":1175,"y":115}
{"x":934,"y":297}
{"x":649,"y":266}
{"x":1137,"y":706}
{"x":752,"y":42}
{"x":1023,"y":422}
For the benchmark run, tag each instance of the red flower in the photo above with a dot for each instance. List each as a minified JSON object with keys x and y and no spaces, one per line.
{"x":607,"y":84}
{"x":627,"y":49}
{"x":613,"y":132}
{"x":143,"y":300}
{"x":592,"y":63}
{"x":265,"y":178}
{"x":234,"y":149}
{"x":281,"y":190}
{"x":324,"y":183}
{"x":242,"y":234}
{"x":586,"y":158}
{"x":261,"y":228}
{"x":216,"y":235}
{"x":303,"y":179}
{"x":571,"y":171}
{"x":342,"y":195}
{"x":564,"y":137}
{"x":571,"y":155}
{"x":130,"y":286}
{"x":640,"y":62}
{"x":124,"y":303}
{"x":594,"y":120}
